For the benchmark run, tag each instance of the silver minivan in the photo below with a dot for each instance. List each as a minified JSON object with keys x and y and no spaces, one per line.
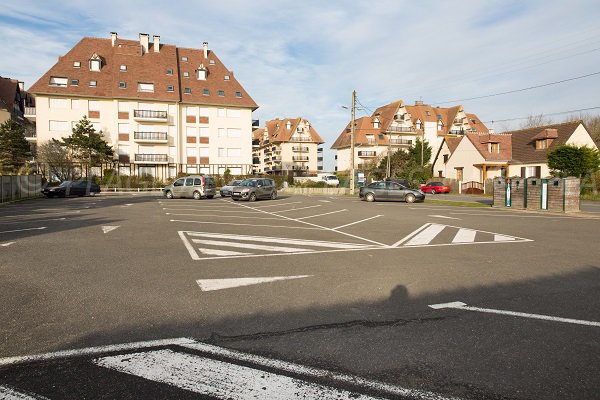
{"x":194,"y":186}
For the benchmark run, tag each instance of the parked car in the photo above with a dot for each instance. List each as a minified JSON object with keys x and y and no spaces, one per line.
{"x":194,"y":186}
{"x":226,"y":190}
{"x":435,"y":187}
{"x":255,"y":188}
{"x":72,"y":188}
{"x":390,"y":191}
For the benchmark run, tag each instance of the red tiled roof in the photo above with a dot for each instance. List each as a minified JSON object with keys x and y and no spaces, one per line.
{"x":482,"y":140}
{"x":8,"y":93}
{"x":149,"y":67}
{"x":278,"y":132}
{"x":524,"y":141}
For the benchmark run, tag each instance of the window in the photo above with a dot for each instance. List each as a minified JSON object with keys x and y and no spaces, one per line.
{"x":233,"y":113}
{"x":76,"y":64}
{"x":186,"y":74}
{"x":123,"y":68}
{"x":204,"y":152}
{"x":59,"y":103}
{"x":191,"y":152}
{"x":187,"y":90}
{"x":205,"y":92}
{"x":221,"y":112}
{"x":94,"y":105}
{"x":146,"y":87}
{"x":191,"y":131}
{"x":226,"y":77}
{"x":123,"y":106}
{"x":204,"y":111}
{"x":122,"y":85}
{"x":445,"y":158}
{"x":170,"y":88}
{"x":190,"y":111}
{"x":234,"y":152}
{"x":234,"y":132}
{"x":221,"y":93}
{"x":238,"y":94}
{"x":58,"y":81}
{"x":74,"y":82}
{"x":211,"y":62}
{"x":76,"y":104}
{"x":59,"y":126}
{"x":541,"y":144}
{"x":201,"y":73}
{"x":221,"y":132}
{"x":459,"y":174}
{"x":184,"y":58}
{"x":95,"y":65}
{"x":169,"y":71}
{"x":494,"y":147}
{"x":204,"y":132}
{"x":222,"y":152}
{"x":123,"y":128}
{"x":93,"y":83}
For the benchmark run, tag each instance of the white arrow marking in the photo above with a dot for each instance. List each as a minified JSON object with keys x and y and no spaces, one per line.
{"x":109,"y":228}
{"x":6,"y":244}
{"x":462,"y":306}
{"x":443,"y":216}
{"x":218,"y":284}
{"x":503,"y":238}
{"x":28,"y":229}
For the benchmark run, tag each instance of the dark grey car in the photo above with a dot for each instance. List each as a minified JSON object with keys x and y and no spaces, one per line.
{"x":390,"y":191}
{"x":254,"y":189}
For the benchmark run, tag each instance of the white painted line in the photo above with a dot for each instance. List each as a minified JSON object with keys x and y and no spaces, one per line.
{"x":410,"y":235}
{"x":215,"y":252}
{"x":325,"y":201}
{"x":273,"y":205}
{"x":7,"y":244}
{"x":23,"y":230}
{"x":93,"y":351}
{"x":28,"y":221}
{"x":109,"y":228}
{"x":318,"y":373}
{"x":268,"y":239}
{"x":296,"y":209}
{"x":234,"y":224}
{"x":443,"y":216}
{"x":319,"y":215}
{"x":236,"y":210}
{"x":462,"y":306}
{"x":464,"y":236}
{"x":503,"y":238}
{"x":224,"y":216}
{"x":357,"y":222}
{"x":7,"y":393}
{"x":219,"y":379}
{"x":249,"y":246}
{"x":426,"y":236}
{"x":207,"y":285}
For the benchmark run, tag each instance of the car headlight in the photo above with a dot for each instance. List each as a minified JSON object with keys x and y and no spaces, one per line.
{"x":245,"y":190}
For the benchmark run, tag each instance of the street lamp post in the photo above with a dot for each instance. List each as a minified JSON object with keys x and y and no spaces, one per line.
{"x":352,"y":171}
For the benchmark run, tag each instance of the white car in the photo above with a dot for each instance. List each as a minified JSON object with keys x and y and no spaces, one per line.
{"x":331,"y":180}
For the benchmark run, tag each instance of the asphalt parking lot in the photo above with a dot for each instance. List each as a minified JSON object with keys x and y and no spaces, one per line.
{"x":462,"y":302}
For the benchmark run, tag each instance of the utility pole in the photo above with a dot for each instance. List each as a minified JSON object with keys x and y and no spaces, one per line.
{"x":352,"y":171}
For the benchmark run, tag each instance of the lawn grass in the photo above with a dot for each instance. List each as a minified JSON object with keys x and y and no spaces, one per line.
{"x":457,"y":203}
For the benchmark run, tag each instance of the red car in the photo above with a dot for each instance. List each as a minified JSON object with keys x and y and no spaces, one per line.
{"x":435,"y":187}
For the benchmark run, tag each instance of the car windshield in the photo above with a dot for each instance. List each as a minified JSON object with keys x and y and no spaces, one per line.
{"x":234,"y":183}
{"x":65,"y":183}
{"x":248,"y":182}
{"x":435,"y":184}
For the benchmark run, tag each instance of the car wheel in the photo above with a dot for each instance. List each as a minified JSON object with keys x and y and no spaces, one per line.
{"x":273,"y":195}
{"x":197,"y":195}
{"x":369,"y":197}
{"x":169,"y":194}
{"x":234,"y":199}
{"x":252,"y":197}
{"x":410,"y":198}
{"x":432,"y":191}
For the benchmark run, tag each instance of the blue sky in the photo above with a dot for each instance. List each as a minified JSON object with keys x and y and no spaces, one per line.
{"x":305,"y":58}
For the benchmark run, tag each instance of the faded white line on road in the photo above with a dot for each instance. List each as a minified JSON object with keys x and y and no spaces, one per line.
{"x":410,"y":235}
{"x":223,"y":216}
{"x":26,"y":229}
{"x":29,"y":215}
{"x":442,"y":216}
{"x":356,"y":222}
{"x":426,"y":236}
{"x":6,"y":393}
{"x":314,"y":372}
{"x":464,"y":236}
{"x":296,"y":209}
{"x":282,"y":249}
{"x":235,"y":210}
{"x":207,"y":285}
{"x":268,"y":239}
{"x":221,"y":253}
{"x":218,"y":378}
{"x":7,"y":244}
{"x":234,"y":224}
{"x":92,"y":351}
{"x":319,"y":215}
{"x":275,"y":205}
{"x":462,"y":306}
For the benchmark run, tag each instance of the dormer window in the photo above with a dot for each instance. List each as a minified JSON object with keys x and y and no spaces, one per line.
{"x":376,"y":123}
{"x":226,"y":77}
{"x":95,"y":62}
{"x":238,"y":94}
{"x":494,"y":147}
{"x":123,"y":68}
{"x":76,"y":64}
{"x":58,"y":81}
{"x":418,"y":124}
{"x":201,"y":73}
{"x":440,"y":125}
{"x":221,"y":93}
{"x":541,"y":144}
{"x":288,"y":125}
{"x":211,"y":62}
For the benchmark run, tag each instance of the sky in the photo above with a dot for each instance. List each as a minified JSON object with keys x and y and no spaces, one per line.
{"x":304,"y":58}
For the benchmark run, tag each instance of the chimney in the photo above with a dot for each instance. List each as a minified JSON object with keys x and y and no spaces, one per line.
{"x":205,"y":46}
{"x":113,"y":38}
{"x":156,"y":43}
{"x":418,"y":102}
{"x":21,"y":86}
{"x":144,"y":40}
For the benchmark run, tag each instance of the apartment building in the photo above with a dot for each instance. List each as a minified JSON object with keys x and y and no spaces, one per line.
{"x":164,"y":109}
{"x":397,"y":126}
{"x":288,"y":146}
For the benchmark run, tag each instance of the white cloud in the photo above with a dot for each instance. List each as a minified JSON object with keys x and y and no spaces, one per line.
{"x":305,"y":58}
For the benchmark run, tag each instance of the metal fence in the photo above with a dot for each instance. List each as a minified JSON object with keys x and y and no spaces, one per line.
{"x":15,"y":187}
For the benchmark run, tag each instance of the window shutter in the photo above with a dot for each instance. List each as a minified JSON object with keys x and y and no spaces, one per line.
{"x":538,"y":171}
{"x":523,"y":174}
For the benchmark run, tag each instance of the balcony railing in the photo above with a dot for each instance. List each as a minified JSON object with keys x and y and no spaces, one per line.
{"x":299,"y":148}
{"x":301,"y":139}
{"x":300,"y":158}
{"x":150,"y":115}
{"x":400,"y":129}
{"x":400,"y":141}
{"x":367,"y":153}
{"x":151,"y":158}
{"x":150,"y":136}
{"x":29,"y":111}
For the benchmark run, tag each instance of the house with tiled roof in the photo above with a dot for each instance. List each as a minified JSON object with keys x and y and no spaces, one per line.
{"x":15,"y":102}
{"x":397,"y":126}
{"x":288,"y":146}
{"x":163,"y":108}
{"x":477,"y":157}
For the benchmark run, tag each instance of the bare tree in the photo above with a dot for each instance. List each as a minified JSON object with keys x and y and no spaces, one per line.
{"x":57,"y":161}
{"x":533,"y":121}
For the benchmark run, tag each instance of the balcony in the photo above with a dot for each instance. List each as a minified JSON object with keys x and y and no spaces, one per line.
{"x":276,"y":158}
{"x":400,"y":142}
{"x":301,"y":139}
{"x":151,"y":158}
{"x":30,"y":135}
{"x":150,"y":137}
{"x":300,"y":148}
{"x":300,"y":158}
{"x":400,"y":129}
{"x":150,"y":116}
{"x":30,"y":113}
{"x":365,"y":154}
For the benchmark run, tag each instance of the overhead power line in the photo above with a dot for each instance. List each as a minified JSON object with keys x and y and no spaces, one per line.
{"x":558,"y":113}
{"x":519,"y":90}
